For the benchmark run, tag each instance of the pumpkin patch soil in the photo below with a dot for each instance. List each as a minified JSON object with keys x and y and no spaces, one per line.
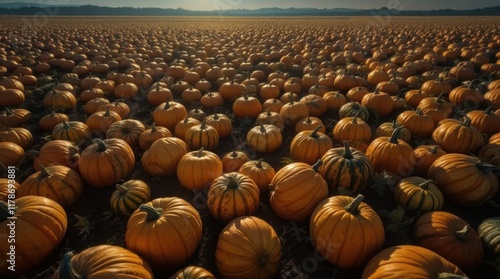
{"x":91,"y":221}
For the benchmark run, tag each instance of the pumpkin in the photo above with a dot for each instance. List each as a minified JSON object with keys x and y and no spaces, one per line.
{"x":129,"y":195}
{"x":494,"y":139}
{"x":420,"y":125}
{"x":162,"y":157}
{"x":436,"y":107}
{"x":489,"y":232}
{"x":419,"y":194}
{"x":128,"y":130}
{"x":57,"y":152}
{"x":352,"y":109}
{"x":150,"y":135}
{"x":248,"y":247}
{"x":293,"y":111}
{"x":434,"y":87}
{"x":188,"y":169}
{"x":232,"y":195}
{"x":118,"y":106}
{"x":168,"y":114}
{"x":485,"y":120}
{"x":59,"y":100}
{"x":260,"y":172}
{"x":414,"y":96}
{"x":106,"y":261}
{"x":308,"y":124}
{"x":59,"y":183}
{"x":457,"y":137}
{"x":126,"y":90}
{"x":464,"y":179}
{"x":49,"y":121}
{"x":351,"y":128}
{"x":272,"y":118}
{"x":309,"y":146}
{"x":40,"y":225}
{"x":425,"y":155}
{"x":104,"y":162}
{"x":346,"y":231}
{"x":231,"y":89}
{"x":466,"y":97}
{"x":17,"y":135}
{"x":490,"y":153}
{"x":233,"y":160}
{"x":148,"y":226}
{"x":11,"y":97}
{"x":8,"y":187}
{"x":296,"y":190}
{"x":334,"y":100}
{"x":356,"y":94}
{"x":315,"y":104}
{"x":15,"y":117}
{"x":392,"y":155}
{"x":274,"y":105}
{"x":270,"y":91}
{"x":450,"y":237}
{"x":192,"y":272}
{"x":202,"y":135}
{"x":493,"y":97}
{"x":182,"y":126}
{"x":158,"y":95}
{"x":409,"y":261}
{"x":74,"y":131}
{"x":247,"y":107}
{"x":212,"y":100}
{"x":346,"y":169}
{"x":264,"y":138}
{"x":90,"y":94}
{"x":11,"y":154}
{"x":387,"y":128}
{"x":99,"y":121}
{"x":222,"y":123}
{"x":381,"y":103}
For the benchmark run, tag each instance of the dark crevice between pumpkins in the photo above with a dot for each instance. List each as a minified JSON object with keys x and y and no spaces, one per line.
{"x":66,"y":271}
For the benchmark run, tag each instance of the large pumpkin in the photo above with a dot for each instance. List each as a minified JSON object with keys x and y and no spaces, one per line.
{"x":449,"y":236}
{"x":457,"y":137}
{"x":346,"y":169}
{"x":104,"y":162}
{"x":59,"y":183}
{"x":162,"y":157}
{"x":40,"y":224}
{"x":248,"y":247}
{"x":346,"y":231}
{"x":197,"y":169}
{"x":352,"y":129}
{"x":464,"y":179}
{"x":309,"y":146}
{"x":232,"y":195}
{"x":409,"y":261}
{"x":296,"y":190}
{"x":57,"y":152}
{"x":104,"y":261}
{"x":17,"y":135}
{"x":165,"y":231}
{"x":129,"y":195}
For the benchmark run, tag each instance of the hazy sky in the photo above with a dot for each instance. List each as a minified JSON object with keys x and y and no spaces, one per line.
{"x":254,"y":4}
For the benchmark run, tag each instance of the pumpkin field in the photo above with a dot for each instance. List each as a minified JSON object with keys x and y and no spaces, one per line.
{"x":250,"y":147}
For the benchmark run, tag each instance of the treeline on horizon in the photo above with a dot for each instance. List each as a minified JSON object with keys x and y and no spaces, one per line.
{"x":92,"y":10}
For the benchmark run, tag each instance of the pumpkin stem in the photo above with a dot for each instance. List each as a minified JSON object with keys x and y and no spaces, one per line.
{"x":9,"y":111}
{"x":485,"y":167}
{"x":316,"y":165}
{"x":262,"y":129}
{"x":434,"y":149}
{"x":314,"y":133}
{"x":425,"y":185}
{"x":43,"y":172}
{"x":395,"y":135}
{"x":153,"y":214}
{"x":489,"y":110}
{"x":167,"y":105}
{"x":268,"y":112}
{"x":107,"y":113}
{"x":66,"y":270}
{"x":66,"y":125}
{"x":216,"y":116}
{"x":347,"y":150}
{"x":462,"y":234}
{"x":101,"y":146}
{"x":445,"y":275}
{"x":259,"y":163}
{"x":203,"y":125}
{"x":122,"y":189}
{"x":231,"y":182}
{"x":153,"y":128}
{"x":200,"y":152}
{"x":353,"y":207}
{"x":4,"y":211}
{"x":467,"y":121}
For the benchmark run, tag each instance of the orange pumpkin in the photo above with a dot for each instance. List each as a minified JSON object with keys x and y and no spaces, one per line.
{"x":17,"y":135}
{"x":419,"y":194}
{"x":149,"y":136}
{"x":182,"y":126}
{"x":168,"y":114}
{"x":8,"y":187}
{"x":260,"y":172}
{"x":202,"y":135}
{"x":309,"y":146}
{"x":74,"y":131}
{"x":11,"y":154}
{"x":193,"y":272}
{"x":457,"y":137}
{"x":233,"y":160}
{"x":188,"y":169}
{"x":129,"y":196}
{"x":264,"y":138}
{"x":162,"y":157}
{"x":128,"y":130}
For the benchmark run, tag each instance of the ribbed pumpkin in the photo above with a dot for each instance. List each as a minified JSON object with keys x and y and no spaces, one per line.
{"x":489,"y":232}
{"x":420,"y":125}
{"x":222,"y":123}
{"x":354,"y":108}
{"x":49,"y":121}
{"x":270,"y":117}
{"x":149,"y":136}
{"x":346,"y":169}
{"x":74,"y":131}
{"x":248,"y":247}
{"x":193,"y":272}
{"x":198,"y":169}
{"x":387,"y":128}
{"x":425,"y":155}
{"x":346,"y":231}
{"x":449,"y":236}
{"x":59,"y":100}
{"x":295,"y":191}
{"x":182,"y":126}
{"x":485,"y":120}
{"x":232,"y":195}
{"x":168,"y":114}
{"x":380,"y":102}
{"x":409,"y":261}
{"x":233,"y":160}
{"x":104,"y":162}
{"x":17,"y":135}
{"x":59,"y":183}
{"x":40,"y":225}
{"x":309,"y":146}
{"x":172,"y":217}
{"x":104,"y":261}
{"x":260,"y":172}
{"x":128,"y":130}
{"x":247,"y":106}
{"x":129,"y":195}
{"x":309,"y":123}
{"x":99,"y":121}
{"x":293,"y":111}
{"x":162,"y":157}
{"x":352,"y":128}
{"x":11,"y":154}
{"x":8,"y":187}
{"x":490,"y":153}
{"x":464,"y":179}
{"x":202,"y":135}
{"x":392,"y":155}
{"x":15,"y":117}
{"x":436,"y":107}
{"x":264,"y":138}
{"x":119,"y":106}
{"x":419,"y":194}
{"x":457,"y":137}
{"x":334,"y":100}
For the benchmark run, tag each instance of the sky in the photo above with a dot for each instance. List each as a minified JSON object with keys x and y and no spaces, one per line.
{"x":255,"y":4}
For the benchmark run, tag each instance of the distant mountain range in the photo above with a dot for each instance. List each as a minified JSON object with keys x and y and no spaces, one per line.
{"x":17,"y":8}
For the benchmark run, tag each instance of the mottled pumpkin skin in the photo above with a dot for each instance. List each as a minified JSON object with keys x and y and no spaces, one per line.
{"x":40,"y":226}
{"x":197,"y":169}
{"x":461,"y":179}
{"x":449,"y":236}
{"x":248,"y":247}
{"x":103,"y":164}
{"x":193,"y":272}
{"x":129,"y":196}
{"x":178,"y":220}
{"x":408,"y":261}
{"x":162,"y":157}
{"x":346,"y":170}
{"x":296,"y":190}
{"x":417,"y":193}
{"x":232,"y":195}
{"x":344,"y":238}
{"x":104,"y":261}
{"x":59,"y":183}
